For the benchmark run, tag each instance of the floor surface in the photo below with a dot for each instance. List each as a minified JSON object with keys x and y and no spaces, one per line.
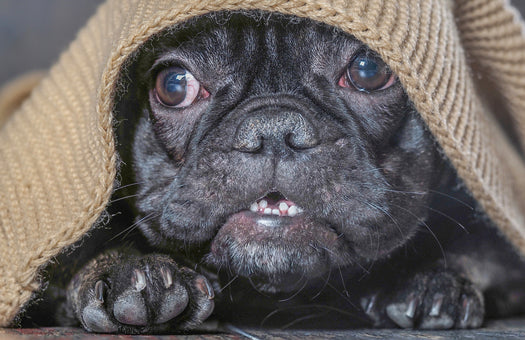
{"x":499,"y":329}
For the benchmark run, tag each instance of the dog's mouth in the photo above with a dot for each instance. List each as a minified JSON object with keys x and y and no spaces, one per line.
{"x":275,"y":204}
{"x":275,"y":237}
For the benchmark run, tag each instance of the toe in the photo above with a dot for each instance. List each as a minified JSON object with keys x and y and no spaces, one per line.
{"x":471,"y":311}
{"x":130,"y":309}
{"x":95,"y":319}
{"x":173,"y":304}
{"x":403,"y":313}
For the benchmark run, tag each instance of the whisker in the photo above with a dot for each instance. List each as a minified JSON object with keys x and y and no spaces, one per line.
{"x":131,"y":227}
{"x":418,"y":193}
{"x":128,"y":185}
{"x":230,"y":294}
{"x":369,"y":269}
{"x":370,"y":239}
{"x":366,"y":271}
{"x":345,"y":297}
{"x":229,"y":283}
{"x":263,"y":321}
{"x":306,"y":317}
{"x":319,"y":306}
{"x":219,"y":269}
{"x":428,"y":228}
{"x":323,"y":287}
{"x":450,"y":218}
{"x":137,"y":224}
{"x":343,"y":281}
{"x":122,"y":198}
{"x":453,"y":198}
{"x":329,"y":274}
{"x":299,"y":280}
{"x":403,"y":191}
{"x":387,"y":214}
{"x":297,"y":292}
{"x":257,"y":289}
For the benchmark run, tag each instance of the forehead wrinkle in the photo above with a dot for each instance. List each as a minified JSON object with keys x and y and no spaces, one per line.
{"x":277,"y":57}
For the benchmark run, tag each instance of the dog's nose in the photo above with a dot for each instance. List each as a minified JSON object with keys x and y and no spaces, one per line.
{"x":275,"y":131}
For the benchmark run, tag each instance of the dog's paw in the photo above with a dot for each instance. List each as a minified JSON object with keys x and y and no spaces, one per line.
{"x":139,"y":294}
{"x":429,"y":300}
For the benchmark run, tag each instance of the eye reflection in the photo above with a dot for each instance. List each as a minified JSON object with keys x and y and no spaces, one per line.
{"x":176,"y":87}
{"x":368,"y":72}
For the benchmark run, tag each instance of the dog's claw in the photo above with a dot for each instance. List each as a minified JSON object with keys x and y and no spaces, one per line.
{"x":437,"y":302}
{"x":436,"y":299}
{"x":166,"y":277}
{"x":466,"y":304}
{"x":204,"y":286}
{"x":470,"y":316}
{"x":138,"y":280}
{"x":403,"y":313}
{"x":413,"y":302}
{"x":100,"y":289}
{"x":368,"y":303}
{"x":397,"y":312}
{"x":139,"y":294}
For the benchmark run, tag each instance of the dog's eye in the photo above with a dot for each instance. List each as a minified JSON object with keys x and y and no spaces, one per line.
{"x":176,"y":87}
{"x":367,"y":72}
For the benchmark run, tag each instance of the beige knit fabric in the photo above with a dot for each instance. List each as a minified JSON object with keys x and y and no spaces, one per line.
{"x":15,"y":92}
{"x":57,"y":157}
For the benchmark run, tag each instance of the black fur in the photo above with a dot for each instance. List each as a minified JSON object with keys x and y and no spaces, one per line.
{"x":388,"y":237}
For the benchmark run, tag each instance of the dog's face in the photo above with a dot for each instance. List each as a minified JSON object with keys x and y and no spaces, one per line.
{"x":277,"y":146}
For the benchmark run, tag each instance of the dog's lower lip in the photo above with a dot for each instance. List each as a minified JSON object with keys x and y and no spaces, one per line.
{"x":272,"y":221}
{"x":268,"y":245}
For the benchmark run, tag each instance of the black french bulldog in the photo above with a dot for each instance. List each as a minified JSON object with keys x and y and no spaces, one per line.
{"x":279,"y":175}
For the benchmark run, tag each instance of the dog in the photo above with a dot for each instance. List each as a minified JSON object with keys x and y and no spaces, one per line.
{"x":275,"y":173}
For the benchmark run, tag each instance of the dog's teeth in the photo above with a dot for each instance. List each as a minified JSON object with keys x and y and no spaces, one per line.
{"x":282,"y":209}
{"x":292,"y":211}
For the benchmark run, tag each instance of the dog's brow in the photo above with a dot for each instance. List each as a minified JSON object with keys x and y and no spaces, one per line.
{"x":165,"y":59}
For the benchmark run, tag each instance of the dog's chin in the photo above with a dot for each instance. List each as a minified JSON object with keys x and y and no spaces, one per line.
{"x":275,"y":250}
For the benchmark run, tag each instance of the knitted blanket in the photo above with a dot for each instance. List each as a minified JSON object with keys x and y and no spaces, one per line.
{"x":462,"y":64}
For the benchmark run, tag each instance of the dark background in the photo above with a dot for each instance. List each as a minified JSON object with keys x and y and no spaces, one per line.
{"x":34,"y":32}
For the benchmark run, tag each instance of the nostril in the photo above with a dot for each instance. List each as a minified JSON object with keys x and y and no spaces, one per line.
{"x":274,"y":132}
{"x":291,"y":141}
{"x":300,"y":141}
{"x":288,"y":140}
